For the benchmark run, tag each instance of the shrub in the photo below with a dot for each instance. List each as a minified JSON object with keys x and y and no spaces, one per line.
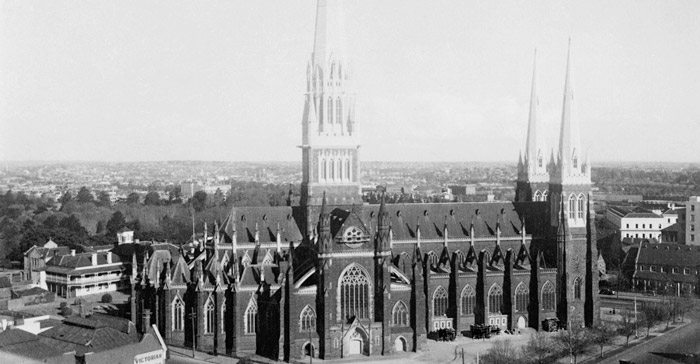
{"x":106,"y":298}
{"x":66,"y":311}
{"x":63,"y":304}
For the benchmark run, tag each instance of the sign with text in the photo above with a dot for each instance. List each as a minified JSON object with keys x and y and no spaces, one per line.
{"x":151,"y":357}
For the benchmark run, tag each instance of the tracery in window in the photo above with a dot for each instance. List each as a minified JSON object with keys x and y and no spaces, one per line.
{"x":495,"y":299}
{"x":178,"y":313}
{"x":440,"y":302}
{"x":548,"y":296}
{"x":251,"y":317}
{"x":209,"y":315}
{"x":522,"y":297}
{"x":307,"y":319}
{"x":354,"y":293}
{"x":468,"y":300}
{"x":399,"y":315}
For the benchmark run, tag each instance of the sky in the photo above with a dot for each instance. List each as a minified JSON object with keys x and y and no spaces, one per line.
{"x":442,"y":80}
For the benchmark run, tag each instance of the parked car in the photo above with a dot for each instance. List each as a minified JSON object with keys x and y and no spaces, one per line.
{"x":606,"y":291}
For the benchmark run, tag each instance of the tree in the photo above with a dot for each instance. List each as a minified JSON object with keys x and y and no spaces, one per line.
{"x":115,"y":223}
{"x":501,"y":352}
{"x":104,"y":199}
{"x":100,"y":229}
{"x":71,"y":223}
{"x":175,"y":195}
{"x":603,"y":334}
{"x":66,"y":198}
{"x":539,"y":349}
{"x":627,"y":327}
{"x":575,"y":341}
{"x":652,"y":314}
{"x":85,"y":196}
{"x":133,"y":198}
{"x":152,"y":199}
{"x":199,"y":201}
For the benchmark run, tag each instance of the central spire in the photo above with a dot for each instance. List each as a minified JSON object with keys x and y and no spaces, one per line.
{"x":330,"y":38}
{"x":330,"y":135}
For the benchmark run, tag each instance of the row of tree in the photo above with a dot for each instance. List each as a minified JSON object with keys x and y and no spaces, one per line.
{"x":545,"y":348}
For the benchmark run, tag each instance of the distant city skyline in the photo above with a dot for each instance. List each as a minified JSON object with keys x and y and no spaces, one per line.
{"x":435,"y":81}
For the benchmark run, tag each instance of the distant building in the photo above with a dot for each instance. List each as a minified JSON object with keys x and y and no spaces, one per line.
{"x":639,"y":223}
{"x":692,"y":218}
{"x":76,"y":275}
{"x":125,"y":236}
{"x":463,"y":189}
{"x":188,"y":189}
{"x":667,"y":267}
{"x":36,"y":257}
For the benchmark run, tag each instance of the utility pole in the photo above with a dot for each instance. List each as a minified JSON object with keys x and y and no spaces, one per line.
{"x":193,"y":316}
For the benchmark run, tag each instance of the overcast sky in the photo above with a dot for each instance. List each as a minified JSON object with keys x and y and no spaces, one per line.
{"x":442,"y":80}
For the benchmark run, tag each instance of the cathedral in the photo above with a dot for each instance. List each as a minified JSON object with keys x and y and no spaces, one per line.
{"x":334,"y":277}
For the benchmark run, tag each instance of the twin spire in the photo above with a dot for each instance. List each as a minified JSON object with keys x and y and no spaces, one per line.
{"x":569,"y":165}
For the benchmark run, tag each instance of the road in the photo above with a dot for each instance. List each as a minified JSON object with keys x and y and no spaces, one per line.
{"x":682,"y":340}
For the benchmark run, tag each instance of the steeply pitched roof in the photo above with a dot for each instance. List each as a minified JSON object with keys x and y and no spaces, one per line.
{"x":244,"y":220}
{"x":669,"y":254}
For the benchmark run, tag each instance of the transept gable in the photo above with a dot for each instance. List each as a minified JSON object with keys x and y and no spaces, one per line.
{"x":180,"y":272}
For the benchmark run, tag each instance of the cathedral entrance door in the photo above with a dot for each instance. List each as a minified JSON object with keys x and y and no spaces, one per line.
{"x":354,"y":347}
{"x":522,"y":322}
{"x":356,"y":342}
{"x":400,"y":344}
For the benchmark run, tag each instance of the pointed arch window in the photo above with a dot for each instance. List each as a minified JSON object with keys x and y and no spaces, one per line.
{"x":332,"y":169}
{"x":222,"y":321}
{"x":354,"y":293}
{"x":339,"y":167}
{"x":545,"y":195}
{"x":522,"y":297}
{"x":178,"y":313}
{"x":209,"y":322}
{"x":495,"y":299}
{"x":399,"y":315}
{"x":468,"y":300}
{"x":572,"y":207}
{"x":548,"y":296}
{"x":339,"y":111}
{"x":537,"y":196}
{"x":307,"y":320}
{"x":324,"y":169}
{"x":578,"y":282}
{"x":347,"y":170}
{"x":574,"y":159}
{"x":432,"y":259}
{"x":440,"y":302}
{"x":250,"y":317}
{"x":540,"y":160}
{"x":581,"y":207}
{"x":330,"y":110}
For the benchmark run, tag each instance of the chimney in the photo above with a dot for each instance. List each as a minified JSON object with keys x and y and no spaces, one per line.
{"x":94,"y":258}
{"x":72,"y":252}
{"x":109,"y":257}
{"x":145,"y":320}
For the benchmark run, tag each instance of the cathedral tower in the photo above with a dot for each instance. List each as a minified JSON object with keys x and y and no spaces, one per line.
{"x":533,"y":177}
{"x":330,"y":135}
{"x":572,"y":219}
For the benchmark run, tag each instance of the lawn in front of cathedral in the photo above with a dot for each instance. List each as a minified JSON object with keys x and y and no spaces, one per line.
{"x":451,"y":352}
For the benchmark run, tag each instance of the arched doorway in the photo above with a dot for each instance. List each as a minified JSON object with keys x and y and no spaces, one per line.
{"x":522,"y":322}
{"x":356,"y":342}
{"x":400,"y":344}
{"x":309,"y":349}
